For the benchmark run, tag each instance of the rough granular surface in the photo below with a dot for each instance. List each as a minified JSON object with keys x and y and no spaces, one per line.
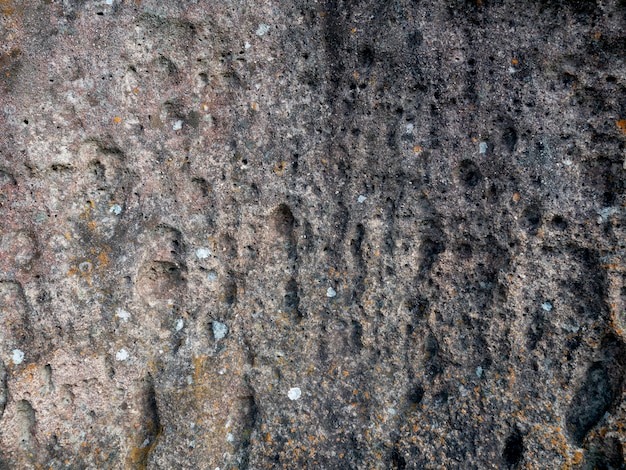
{"x":302,"y":234}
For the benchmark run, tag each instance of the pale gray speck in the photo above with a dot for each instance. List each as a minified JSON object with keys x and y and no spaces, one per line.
{"x":203,"y":253}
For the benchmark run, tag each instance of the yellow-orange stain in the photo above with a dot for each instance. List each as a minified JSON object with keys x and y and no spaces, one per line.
{"x":516,"y":197}
{"x":117,"y":119}
{"x":417,"y":149}
{"x":254,"y":106}
{"x":136,"y":90}
{"x":514,"y":61}
{"x":355,"y":75}
{"x":622,"y":125}
{"x":103,"y":258}
{"x":7,"y":7}
{"x":353,"y":30}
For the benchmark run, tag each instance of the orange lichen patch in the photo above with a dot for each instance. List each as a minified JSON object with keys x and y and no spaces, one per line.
{"x":578,"y":457}
{"x":622,"y":125}
{"x":353,"y":30}
{"x":117,"y":119}
{"x":136,"y":90}
{"x":254,"y":106}
{"x":417,"y":149}
{"x":103,"y":258}
{"x":279,"y":168}
{"x":355,"y":75}
{"x":516,"y":197}
{"x":514,"y":61}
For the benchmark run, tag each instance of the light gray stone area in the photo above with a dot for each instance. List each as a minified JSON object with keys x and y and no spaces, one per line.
{"x":330,"y":234}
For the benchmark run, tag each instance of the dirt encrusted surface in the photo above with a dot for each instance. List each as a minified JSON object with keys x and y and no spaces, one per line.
{"x":330,"y":234}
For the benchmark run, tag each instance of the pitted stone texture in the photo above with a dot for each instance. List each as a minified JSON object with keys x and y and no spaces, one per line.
{"x":297,"y":234}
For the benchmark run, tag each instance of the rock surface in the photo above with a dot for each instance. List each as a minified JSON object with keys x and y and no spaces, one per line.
{"x":312,"y":234}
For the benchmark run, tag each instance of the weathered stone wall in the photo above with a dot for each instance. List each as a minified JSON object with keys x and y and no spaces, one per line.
{"x":312,"y":234}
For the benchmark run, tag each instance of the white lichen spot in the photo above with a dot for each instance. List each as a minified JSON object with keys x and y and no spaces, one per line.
{"x":482,"y":147}
{"x":202,"y":253}
{"x":512,"y":70}
{"x":262,"y":29}
{"x":361,"y":199}
{"x":211,"y":276}
{"x":479,"y":372}
{"x":115,"y":209}
{"x":547,"y":306}
{"x":178,"y":125}
{"x":145,"y":443}
{"x":230,"y":437}
{"x":391,"y":411}
{"x":219,"y":330}
{"x":294,"y":393}
{"x":122,"y":314}
{"x":605,"y":213}
{"x":180,"y":323}
{"x":189,"y":380}
{"x":409,"y":128}
{"x":17,"y":357}
{"x":330,"y":292}
{"x":108,"y":2}
{"x":247,"y":45}
{"x":122,"y":355}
